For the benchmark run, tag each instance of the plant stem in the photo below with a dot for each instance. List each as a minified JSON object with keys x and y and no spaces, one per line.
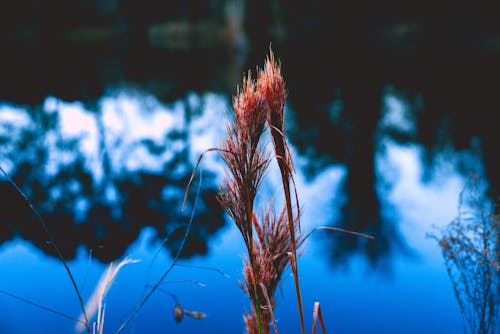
{"x":249,"y":209}
{"x":295,"y":270}
{"x":53,"y":243}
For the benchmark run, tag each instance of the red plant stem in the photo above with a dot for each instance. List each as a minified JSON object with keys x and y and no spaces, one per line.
{"x":295,"y":270}
{"x":251,"y":256}
{"x":317,"y":314}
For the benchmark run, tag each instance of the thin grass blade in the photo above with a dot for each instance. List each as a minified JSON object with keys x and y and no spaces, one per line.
{"x":318,"y":315}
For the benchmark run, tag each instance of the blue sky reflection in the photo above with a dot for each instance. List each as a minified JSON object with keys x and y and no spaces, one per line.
{"x":415,"y":297}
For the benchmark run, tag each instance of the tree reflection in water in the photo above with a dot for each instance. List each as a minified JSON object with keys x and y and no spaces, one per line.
{"x":348,"y":131}
{"x":470,"y":245}
{"x":99,"y":175}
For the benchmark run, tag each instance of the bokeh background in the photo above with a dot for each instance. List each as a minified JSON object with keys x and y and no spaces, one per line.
{"x":106,"y":105}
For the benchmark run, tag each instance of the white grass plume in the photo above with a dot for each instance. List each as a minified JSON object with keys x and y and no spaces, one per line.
{"x":96,"y":301}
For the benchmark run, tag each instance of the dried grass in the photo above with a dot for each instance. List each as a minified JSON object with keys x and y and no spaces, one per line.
{"x":258,"y":104}
{"x":96,"y":301}
{"x":471,"y":249}
{"x":317,"y":315}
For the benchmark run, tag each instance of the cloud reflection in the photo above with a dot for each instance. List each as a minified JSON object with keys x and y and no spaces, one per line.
{"x":99,"y":176}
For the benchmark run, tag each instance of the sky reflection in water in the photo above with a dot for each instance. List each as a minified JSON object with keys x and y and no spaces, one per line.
{"x":413,"y":294}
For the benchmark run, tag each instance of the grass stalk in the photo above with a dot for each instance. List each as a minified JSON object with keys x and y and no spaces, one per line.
{"x":169,"y":269}
{"x":272,"y":84}
{"x":40,"y":306}
{"x":293,"y":263}
{"x":96,"y":301}
{"x":53,"y":243}
{"x":317,"y":315}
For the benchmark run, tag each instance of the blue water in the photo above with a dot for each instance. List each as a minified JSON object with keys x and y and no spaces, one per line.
{"x":415,"y":298}
{"x":407,"y":291}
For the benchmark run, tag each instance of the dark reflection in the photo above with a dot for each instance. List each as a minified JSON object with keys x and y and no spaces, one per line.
{"x":337,"y":98}
{"x":104,"y":213}
{"x":346,"y":131}
{"x":337,"y":61}
{"x":457,"y":110}
{"x":471,"y":249}
{"x":363,"y":211}
{"x":84,"y":73}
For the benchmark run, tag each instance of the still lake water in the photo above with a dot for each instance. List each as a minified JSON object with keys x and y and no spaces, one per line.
{"x":109,"y":177}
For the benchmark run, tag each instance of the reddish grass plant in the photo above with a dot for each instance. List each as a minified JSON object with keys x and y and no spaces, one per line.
{"x":271,"y":248}
{"x":272,"y":85}
{"x":272,"y":239}
{"x":259,"y":103}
